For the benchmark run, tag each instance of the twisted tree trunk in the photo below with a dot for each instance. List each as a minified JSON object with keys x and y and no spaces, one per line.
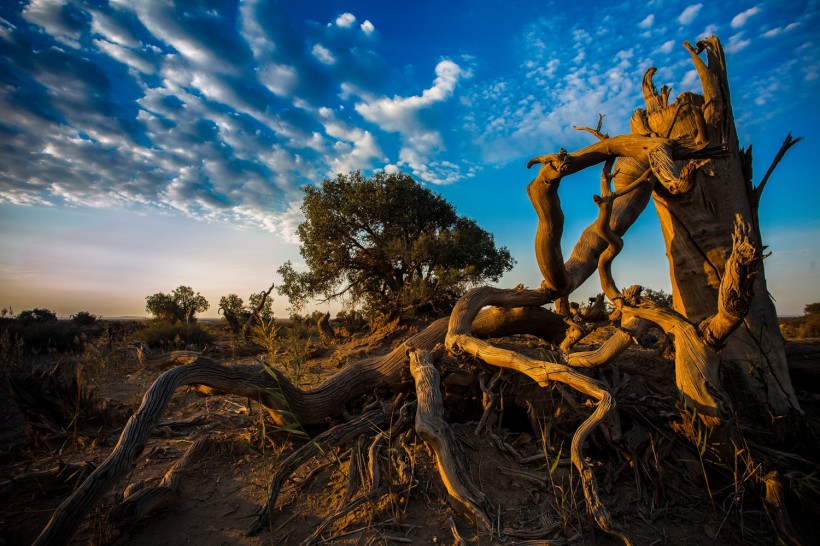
{"x":697,"y":230}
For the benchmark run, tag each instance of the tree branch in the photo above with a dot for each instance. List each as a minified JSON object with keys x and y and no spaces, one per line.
{"x":735,"y":294}
{"x":788,"y":142}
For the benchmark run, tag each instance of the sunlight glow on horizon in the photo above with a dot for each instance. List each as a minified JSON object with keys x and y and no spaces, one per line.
{"x":139,"y":153}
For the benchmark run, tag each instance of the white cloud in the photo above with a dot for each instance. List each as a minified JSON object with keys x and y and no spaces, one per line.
{"x":401,"y":114}
{"x":48,"y":14}
{"x":323,"y":54}
{"x":690,"y":80}
{"x":667,"y":46}
{"x":110,"y":29}
{"x":780,"y":30}
{"x":648,"y":21}
{"x":281,"y":79}
{"x":125,"y":56}
{"x":368,"y":28}
{"x":688,"y":15}
{"x":736,"y":43}
{"x":740,"y":19}
{"x":346,"y":20}
{"x":252,"y":31}
{"x":354,"y":149}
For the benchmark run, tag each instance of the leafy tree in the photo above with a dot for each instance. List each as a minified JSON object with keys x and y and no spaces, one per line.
{"x":37,"y":315}
{"x":241,"y":317}
{"x":812,"y":309}
{"x":659,"y":297}
{"x":390,"y":244}
{"x":84,"y":318}
{"x":181,"y":305}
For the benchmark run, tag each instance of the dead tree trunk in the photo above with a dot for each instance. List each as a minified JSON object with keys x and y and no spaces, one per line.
{"x":697,"y":230}
{"x":686,"y":154}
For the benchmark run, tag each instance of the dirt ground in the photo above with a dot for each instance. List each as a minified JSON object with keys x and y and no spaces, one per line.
{"x":655,"y":484}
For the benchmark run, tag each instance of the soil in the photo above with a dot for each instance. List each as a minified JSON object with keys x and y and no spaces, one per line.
{"x":656,"y":484}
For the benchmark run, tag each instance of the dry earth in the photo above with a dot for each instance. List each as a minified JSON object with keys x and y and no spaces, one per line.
{"x":654,"y":482}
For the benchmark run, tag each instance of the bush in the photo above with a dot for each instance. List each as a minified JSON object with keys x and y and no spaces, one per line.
{"x":40,"y":336}
{"x":802,"y":327}
{"x":84,"y":318}
{"x":36,"y":316}
{"x":164,"y":335}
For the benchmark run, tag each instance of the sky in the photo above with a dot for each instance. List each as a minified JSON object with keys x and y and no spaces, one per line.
{"x":148,"y":144}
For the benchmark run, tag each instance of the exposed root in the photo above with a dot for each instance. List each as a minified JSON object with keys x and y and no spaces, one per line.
{"x":432,"y":427}
{"x":337,"y":435}
{"x":459,"y":340}
{"x":141,"y":500}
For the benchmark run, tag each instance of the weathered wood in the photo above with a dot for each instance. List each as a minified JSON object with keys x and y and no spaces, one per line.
{"x":325,"y":330}
{"x":459,"y":339}
{"x":340,"y":434}
{"x":431,"y":426}
{"x":141,"y":499}
{"x":700,"y":181}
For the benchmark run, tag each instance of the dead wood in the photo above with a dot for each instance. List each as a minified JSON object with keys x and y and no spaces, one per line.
{"x":459,"y":339}
{"x":140,"y":499}
{"x":431,"y":426}
{"x":325,"y":330}
{"x":340,"y":434}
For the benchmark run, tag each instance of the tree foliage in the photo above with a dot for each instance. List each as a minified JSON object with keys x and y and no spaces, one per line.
{"x":36,"y":316}
{"x":389,"y":244}
{"x":181,"y":305}
{"x":238,"y":315}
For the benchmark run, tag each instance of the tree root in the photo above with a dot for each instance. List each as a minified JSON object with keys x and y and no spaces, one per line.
{"x":141,"y":500}
{"x":459,"y":340}
{"x":337,"y":435}
{"x":431,"y":426}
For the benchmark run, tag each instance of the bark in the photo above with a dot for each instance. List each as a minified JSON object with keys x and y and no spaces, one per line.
{"x":697,"y":229}
{"x":686,"y":155}
{"x":431,"y":426}
{"x":325,"y":330}
{"x":459,"y":340}
{"x":285,"y":402}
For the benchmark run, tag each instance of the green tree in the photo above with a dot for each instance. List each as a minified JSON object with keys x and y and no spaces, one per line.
{"x":390,"y":244}
{"x":241,"y":317}
{"x":36,"y":316}
{"x":181,"y":305}
{"x":812,"y":309}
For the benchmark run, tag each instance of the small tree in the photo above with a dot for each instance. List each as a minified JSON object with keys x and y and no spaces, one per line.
{"x":390,"y":244}
{"x":36,"y":316}
{"x":241,"y":317}
{"x":181,"y":305}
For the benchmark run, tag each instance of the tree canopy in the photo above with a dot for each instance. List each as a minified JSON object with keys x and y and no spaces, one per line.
{"x":181,"y":305}
{"x":240,"y":316}
{"x":390,"y":244}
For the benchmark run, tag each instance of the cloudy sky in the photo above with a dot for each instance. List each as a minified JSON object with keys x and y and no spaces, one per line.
{"x":146,"y":144}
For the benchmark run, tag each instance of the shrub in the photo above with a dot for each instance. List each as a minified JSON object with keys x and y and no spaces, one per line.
{"x":84,"y":318}
{"x":168,"y":336}
{"x":38,"y":316}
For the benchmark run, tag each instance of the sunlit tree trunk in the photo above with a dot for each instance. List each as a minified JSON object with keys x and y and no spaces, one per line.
{"x":697,"y":230}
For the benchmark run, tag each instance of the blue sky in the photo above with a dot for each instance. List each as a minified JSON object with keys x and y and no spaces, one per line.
{"x":148,"y":144}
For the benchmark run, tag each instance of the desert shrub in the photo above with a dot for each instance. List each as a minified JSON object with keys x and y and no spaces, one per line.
{"x":38,"y":316}
{"x":166,"y":335}
{"x":660,"y":297}
{"x":802,"y":327}
{"x":84,"y":318}
{"x":350,"y":321}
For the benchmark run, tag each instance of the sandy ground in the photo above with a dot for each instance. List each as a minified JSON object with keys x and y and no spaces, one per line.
{"x":653,"y":484}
